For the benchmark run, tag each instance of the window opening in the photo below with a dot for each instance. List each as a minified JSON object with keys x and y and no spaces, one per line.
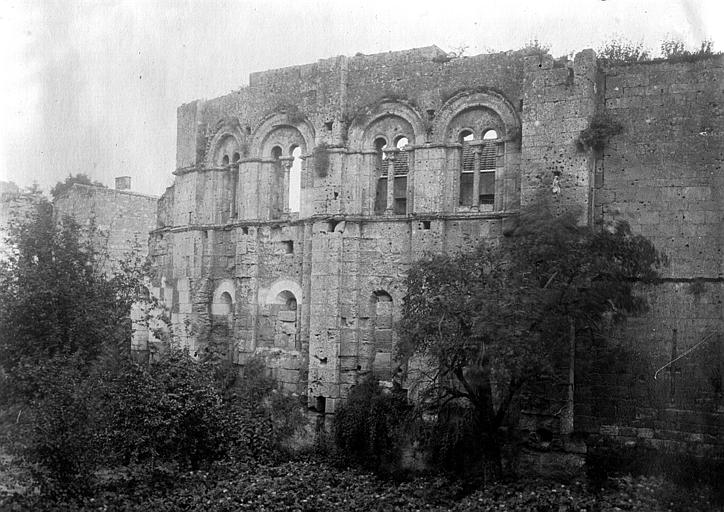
{"x":467,"y":164}
{"x":236,"y":158}
{"x":277,"y":180}
{"x":488,"y":163}
{"x":225,"y":160}
{"x":399,"y":205}
{"x":381,"y":172}
{"x":295,"y":180}
{"x":288,"y":246}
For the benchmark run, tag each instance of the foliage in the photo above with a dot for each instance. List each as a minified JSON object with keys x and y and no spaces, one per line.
{"x":321,"y":159}
{"x":675,"y":50}
{"x":62,"y":187}
{"x":313,"y":486}
{"x":369,"y":428}
{"x":173,"y":413}
{"x":535,"y":48}
{"x":489,"y":321}
{"x":601,"y":128}
{"x":623,"y":51}
{"x":54,"y":300}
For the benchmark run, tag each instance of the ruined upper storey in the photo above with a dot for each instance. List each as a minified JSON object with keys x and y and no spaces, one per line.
{"x":395,"y":134}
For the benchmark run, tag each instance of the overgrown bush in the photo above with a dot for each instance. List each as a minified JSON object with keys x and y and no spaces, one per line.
{"x":174,"y":413}
{"x":370,"y":428}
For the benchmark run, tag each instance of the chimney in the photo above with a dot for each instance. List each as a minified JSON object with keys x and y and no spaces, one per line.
{"x":123,"y":183}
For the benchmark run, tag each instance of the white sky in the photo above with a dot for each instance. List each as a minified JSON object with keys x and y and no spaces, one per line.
{"x":93,"y":86}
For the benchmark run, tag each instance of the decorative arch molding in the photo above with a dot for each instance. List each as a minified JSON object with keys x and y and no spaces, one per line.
{"x":359,"y":130}
{"x":469,"y":100}
{"x":269,"y":295}
{"x":276,"y":120}
{"x":227,"y":127}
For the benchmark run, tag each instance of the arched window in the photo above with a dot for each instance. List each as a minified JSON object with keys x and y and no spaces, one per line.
{"x":382,"y":335}
{"x":480,"y":189}
{"x":236,"y":158}
{"x":225,"y":160}
{"x":277,"y":183}
{"x":401,"y":171}
{"x":295,"y":179}
{"x":381,"y":173}
{"x":467,"y":167}
{"x":488,"y":163}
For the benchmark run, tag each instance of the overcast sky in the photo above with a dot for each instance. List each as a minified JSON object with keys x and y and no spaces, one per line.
{"x":93,"y":87}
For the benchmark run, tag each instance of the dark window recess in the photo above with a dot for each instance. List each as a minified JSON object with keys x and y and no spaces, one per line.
{"x":400,"y":195}
{"x":329,"y":125}
{"x":381,"y":195}
{"x":225,"y":160}
{"x":245,"y":230}
{"x":425,"y":224}
{"x":288,"y":246}
{"x":466,"y":188}
{"x":487,"y":187}
{"x":321,"y":404}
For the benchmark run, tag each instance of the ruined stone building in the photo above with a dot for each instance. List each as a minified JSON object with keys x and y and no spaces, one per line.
{"x":120,"y":218}
{"x":300,"y":201}
{"x":16,"y":205}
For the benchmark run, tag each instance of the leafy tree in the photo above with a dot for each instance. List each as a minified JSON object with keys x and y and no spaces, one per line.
{"x":55,"y":301}
{"x":63,"y":186}
{"x":489,"y":321}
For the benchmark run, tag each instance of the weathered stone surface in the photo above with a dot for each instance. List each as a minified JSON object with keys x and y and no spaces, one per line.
{"x":323,"y":286}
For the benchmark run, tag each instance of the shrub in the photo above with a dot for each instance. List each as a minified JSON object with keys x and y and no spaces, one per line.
{"x":370,"y":428}
{"x":601,"y":128}
{"x":675,"y":50}
{"x":623,"y":51}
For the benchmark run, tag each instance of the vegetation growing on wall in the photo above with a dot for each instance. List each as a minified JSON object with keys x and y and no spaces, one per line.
{"x":600,"y":130}
{"x":63,"y":186}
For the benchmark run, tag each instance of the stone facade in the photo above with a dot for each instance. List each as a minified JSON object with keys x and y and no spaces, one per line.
{"x":121,"y":219}
{"x":301,"y":200}
{"x":15,"y":206}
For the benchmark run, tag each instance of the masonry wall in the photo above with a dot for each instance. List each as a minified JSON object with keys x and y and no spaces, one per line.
{"x":122,"y":219}
{"x":316,"y":291}
{"x":663,"y":175}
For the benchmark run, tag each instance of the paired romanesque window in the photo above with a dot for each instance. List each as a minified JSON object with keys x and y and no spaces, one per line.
{"x":391,"y":170}
{"x":478,"y":163}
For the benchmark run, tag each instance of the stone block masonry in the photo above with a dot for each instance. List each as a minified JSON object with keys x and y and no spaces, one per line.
{"x":399,"y":154}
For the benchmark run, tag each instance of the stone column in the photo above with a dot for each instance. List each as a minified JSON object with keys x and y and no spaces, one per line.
{"x":476,"y":177}
{"x":287,"y":163}
{"x":390,"y":181}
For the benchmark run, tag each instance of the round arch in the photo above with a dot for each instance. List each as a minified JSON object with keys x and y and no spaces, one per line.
{"x":360,"y":128}
{"x":470,"y":100}
{"x":277,"y":288}
{"x":227,"y":130}
{"x":224,"y":291}
{"x":275,"y":121}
